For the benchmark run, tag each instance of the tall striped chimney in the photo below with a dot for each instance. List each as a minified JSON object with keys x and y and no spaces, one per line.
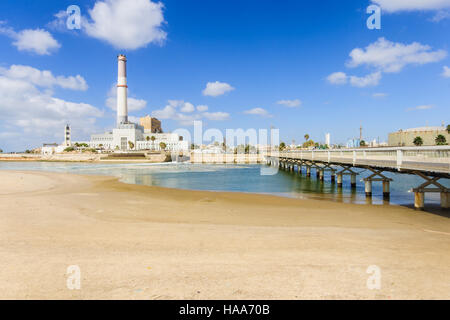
{"x":122,"y":105}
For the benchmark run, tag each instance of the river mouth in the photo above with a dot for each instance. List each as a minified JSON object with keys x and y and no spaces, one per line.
{"x":240,"y":178}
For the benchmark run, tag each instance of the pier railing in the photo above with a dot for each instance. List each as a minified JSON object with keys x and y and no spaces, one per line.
{"x":431,"y":159}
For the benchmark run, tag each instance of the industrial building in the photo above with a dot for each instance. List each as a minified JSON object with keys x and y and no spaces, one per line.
{"x":152,"y":124}
{"x":148,"y":135}
{"x":405,"y":138}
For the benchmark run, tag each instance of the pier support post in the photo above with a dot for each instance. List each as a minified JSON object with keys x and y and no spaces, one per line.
{"x":376,"y":176}
{"x":308,"y":171}
{"x":386,"y":191}
{"x":317,"y":172}
{"x":292,"y":167}
{"x":339,"y":180}
{"x":347,"y":171}
{"x":368,"y":188}
{"x":445,"y":196}
{"x":419,"y":192}
{"x":299,"y":169}
{"x":353,"y":180}
{"x":333,"y":177}
{"x":321,"y":174}
{"x":419,"y":200}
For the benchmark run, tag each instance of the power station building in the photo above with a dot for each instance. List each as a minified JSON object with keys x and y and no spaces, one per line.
{"x":126,"y":136}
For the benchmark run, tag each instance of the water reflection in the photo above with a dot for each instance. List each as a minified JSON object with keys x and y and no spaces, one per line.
{"x":241,"y":178}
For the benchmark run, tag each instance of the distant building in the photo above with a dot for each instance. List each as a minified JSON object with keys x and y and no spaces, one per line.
{"x":67,"y":139}
{"x":151,"y":124}
{"x":405,"y":138}
{"x":51,"y":148}
{"x":353,"y":143}
{"x":375,"y":144}
{"x":327,"y":139}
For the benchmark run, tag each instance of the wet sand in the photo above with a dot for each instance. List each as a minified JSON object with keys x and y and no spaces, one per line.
{"x":139,"y":242}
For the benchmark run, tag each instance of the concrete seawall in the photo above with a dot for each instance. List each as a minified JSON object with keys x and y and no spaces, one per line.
{"x":80,"y":157}
{"x":226,"y":158}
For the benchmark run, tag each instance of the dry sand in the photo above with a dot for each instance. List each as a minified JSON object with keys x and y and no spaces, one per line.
{"x":137,"y":242}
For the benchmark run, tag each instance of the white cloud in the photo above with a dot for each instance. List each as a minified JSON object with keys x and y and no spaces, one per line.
{"x":370,"y":80}
{"x":337,"y":78}
{"x":133,"y":103}
{"x":290,"y":103}
{"x":385,"y":57}
{"x":389,"y":56}
{"x":174,"y":111}
{"x":379,"y":95}
{"x":422,"y":107}
{"x":340,"y":78}
{"x":187,"y":108}
{"x":216,"y":116}
{"x":126,"y":24}
{"x":446,"y":72}
{"x":441,"y":15}
{"x":215,"y":89}
{"x":412,"y":5}
{"x":168,"y":112}
{"x":60,"y":22}
{"x":38,"y":41}
{"x":258,"y":111}
{"x":202,"y":108}
{"x":39,"y":116}
{"x":44,"y":78}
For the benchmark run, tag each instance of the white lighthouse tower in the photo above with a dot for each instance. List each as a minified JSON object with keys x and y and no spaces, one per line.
{"x":122,"y":104}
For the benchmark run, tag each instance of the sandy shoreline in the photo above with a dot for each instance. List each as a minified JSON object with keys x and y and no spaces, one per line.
{"x":139,"y":242}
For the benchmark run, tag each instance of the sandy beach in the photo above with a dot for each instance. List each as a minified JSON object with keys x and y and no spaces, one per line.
{"x":139,"y":242}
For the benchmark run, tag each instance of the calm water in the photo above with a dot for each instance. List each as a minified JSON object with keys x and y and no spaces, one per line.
{"x":238,"y":178}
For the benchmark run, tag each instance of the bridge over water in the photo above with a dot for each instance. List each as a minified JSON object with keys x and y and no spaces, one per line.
{"x":430,"y":163}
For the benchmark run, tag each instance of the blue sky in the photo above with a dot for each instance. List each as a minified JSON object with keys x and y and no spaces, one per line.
{"x":263,"y":52}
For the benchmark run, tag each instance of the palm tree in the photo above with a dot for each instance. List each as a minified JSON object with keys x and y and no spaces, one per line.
{"x":362,"y":143}
{"x":153,"y":141}
{"x":418,"y":141}
{"x":306,"y":137}
{"x":147,"y":138}
{"x":448,"y":128}
{"x":162,"y":145}
{"x":282,"y":146}
{"x":309,"y":143}
{"x":440,"y":140}
{"x":131,"y":145}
